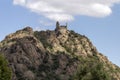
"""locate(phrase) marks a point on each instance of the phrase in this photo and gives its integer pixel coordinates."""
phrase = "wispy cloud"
(37, 29)
(46, 23)
(65, 10)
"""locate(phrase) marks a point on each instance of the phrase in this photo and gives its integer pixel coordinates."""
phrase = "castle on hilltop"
(60, 27)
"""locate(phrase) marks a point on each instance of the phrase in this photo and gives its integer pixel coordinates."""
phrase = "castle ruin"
(60, 28)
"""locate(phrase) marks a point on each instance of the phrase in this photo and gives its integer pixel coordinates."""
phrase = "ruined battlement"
(60, 27)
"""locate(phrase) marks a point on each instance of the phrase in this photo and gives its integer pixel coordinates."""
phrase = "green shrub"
(91, 69)
(5, 71)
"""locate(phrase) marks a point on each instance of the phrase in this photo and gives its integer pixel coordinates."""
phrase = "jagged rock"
(28, 29)
(55, 55)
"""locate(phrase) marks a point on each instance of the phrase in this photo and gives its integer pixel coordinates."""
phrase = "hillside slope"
(58, 54)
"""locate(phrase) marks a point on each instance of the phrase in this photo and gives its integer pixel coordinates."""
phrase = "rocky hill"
(58, 54)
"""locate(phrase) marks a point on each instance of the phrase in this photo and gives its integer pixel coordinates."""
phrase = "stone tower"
(57, 24)
(62, 29)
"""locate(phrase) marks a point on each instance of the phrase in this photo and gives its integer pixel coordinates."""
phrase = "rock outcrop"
(60, 54)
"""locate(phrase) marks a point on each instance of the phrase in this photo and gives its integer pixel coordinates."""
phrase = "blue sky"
(103, 29)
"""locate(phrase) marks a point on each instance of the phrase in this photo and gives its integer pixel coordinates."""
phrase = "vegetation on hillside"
(5, 71)
(53, 55)
(91, 69)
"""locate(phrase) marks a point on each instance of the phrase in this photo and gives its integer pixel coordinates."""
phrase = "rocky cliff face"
(55, 55)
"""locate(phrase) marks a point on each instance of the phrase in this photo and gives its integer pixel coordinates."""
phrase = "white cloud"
(60, 17)
(46, 23)
(19, 2)
(65, 10)
(37, 29)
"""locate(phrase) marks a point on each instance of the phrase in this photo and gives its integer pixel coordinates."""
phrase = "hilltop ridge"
(58, 54)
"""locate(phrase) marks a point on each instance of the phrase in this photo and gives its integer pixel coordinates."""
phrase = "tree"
(5, 70)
